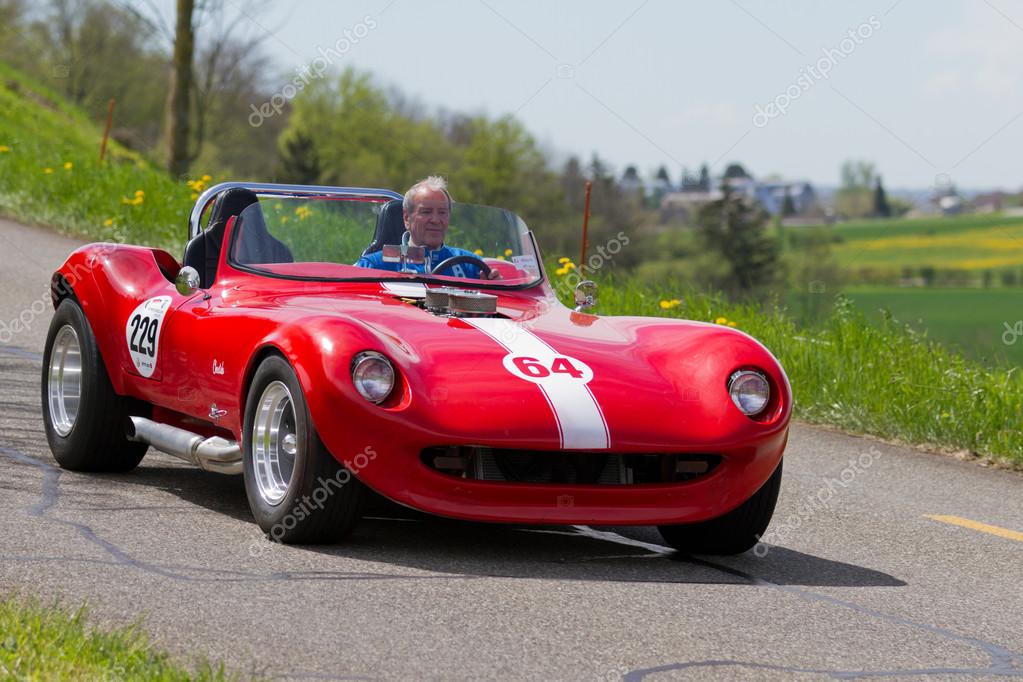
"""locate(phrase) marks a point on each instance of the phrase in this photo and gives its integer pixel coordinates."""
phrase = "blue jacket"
(468, 270)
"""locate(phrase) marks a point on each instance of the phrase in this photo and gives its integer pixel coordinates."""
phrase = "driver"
(426, 210)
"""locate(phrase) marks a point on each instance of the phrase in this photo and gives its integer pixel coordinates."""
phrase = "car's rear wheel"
(733, 533)
(297, 491)
(84, 418)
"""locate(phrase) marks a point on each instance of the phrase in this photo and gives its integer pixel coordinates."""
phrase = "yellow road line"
(977, 525)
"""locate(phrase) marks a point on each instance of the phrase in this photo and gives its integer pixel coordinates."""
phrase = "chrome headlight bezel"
(373, 376)
(750, 392)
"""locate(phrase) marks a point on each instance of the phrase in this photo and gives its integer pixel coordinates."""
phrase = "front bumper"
(398, 473)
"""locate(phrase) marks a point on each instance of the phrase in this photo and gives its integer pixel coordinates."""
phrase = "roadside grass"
(884, 379)
(44, 643)
(50, 174)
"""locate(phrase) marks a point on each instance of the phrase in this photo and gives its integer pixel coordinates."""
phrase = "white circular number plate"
(143, 333)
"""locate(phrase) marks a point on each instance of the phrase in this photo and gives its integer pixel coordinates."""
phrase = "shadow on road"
(393, 535)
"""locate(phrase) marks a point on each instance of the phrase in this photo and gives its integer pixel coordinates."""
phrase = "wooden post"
(586, 228)
(106, 131)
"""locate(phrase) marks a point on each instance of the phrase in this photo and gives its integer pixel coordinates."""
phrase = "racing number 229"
(534, 368)
(143, 335)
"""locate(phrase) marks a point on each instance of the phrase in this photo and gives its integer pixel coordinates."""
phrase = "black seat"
(203, 250)
(390, 227)
(254, 244)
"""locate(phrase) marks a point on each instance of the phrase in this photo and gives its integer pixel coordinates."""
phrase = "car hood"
(543, 376)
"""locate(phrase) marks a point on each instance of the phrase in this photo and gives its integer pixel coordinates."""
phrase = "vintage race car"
(441, 386)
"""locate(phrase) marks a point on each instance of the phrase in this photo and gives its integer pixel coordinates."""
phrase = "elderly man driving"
(426, 210)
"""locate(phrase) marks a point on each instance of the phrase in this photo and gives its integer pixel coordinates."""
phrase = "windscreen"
(358, 238)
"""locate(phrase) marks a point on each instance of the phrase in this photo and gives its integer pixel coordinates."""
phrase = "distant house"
(992, 202)
(683, 204)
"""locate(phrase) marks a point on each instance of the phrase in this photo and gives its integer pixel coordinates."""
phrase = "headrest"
(390, 226)
(230, 203)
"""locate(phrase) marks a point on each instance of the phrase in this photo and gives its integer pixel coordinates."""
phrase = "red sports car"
(306, 342)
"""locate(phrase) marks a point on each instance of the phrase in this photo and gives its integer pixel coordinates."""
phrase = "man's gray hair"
(433, 183)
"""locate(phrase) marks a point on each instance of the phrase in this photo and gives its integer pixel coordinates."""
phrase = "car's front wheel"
(84, 418)
(297, 491)
(733, 533)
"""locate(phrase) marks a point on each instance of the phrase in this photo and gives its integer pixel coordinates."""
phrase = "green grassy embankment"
(50, 174)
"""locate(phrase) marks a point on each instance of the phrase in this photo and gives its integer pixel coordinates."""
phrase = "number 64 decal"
(551, 369)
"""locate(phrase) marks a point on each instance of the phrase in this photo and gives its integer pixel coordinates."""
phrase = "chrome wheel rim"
(65, 380)
(274, 442)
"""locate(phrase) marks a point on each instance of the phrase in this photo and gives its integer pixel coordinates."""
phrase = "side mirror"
(187, 281)
(585, 295)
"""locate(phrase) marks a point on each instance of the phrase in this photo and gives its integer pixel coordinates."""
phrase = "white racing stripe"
(580, 420)
(406, 289)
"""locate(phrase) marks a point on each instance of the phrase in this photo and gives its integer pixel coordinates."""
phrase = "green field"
(973, 321)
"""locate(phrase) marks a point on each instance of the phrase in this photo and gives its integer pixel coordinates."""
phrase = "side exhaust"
(211, 454)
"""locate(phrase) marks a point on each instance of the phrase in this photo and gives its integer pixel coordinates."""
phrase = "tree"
(735, 229)
(788, 207)
(881, 207)
(854, 198)
(299, 163)
(704, 178)
(180, 92)
(663, 177)
(735, 171)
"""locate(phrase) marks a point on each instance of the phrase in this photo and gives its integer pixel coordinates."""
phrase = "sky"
(928, 90)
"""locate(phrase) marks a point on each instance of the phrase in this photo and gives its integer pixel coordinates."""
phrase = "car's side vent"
(566, 468)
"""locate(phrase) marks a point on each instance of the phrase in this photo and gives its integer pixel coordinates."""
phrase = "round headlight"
(373, 376)
(750, 392)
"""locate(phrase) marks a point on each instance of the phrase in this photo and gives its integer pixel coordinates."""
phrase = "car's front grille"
(561, 467)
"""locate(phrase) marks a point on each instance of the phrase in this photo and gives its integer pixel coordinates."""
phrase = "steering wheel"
(464, 258)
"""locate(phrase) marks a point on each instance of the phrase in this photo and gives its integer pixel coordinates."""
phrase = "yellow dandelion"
(507, 252)
(108, 222)
(500, 257)
(4, 149)
(478, 252)
(669, 304)
(561, 272)
(47, 170)
(139, 193)
(284, 219)
(206, 178)
(731, 324)
(564, 260)
(68, 165)
(303, 212)
(721, 320)
(570, 266)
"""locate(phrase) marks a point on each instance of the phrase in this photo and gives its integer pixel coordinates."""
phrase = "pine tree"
(881, 207)
(735, 229)
(299, 162)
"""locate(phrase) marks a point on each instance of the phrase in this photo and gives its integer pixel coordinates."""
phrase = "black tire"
(96, 441)
(322, 499)
(733, 533)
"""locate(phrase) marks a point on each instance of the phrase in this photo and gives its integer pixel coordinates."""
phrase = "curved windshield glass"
(358, 238)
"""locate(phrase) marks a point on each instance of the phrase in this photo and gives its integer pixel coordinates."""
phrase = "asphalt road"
(855, 581)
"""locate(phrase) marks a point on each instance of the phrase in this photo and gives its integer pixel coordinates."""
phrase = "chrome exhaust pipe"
(210, 454)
